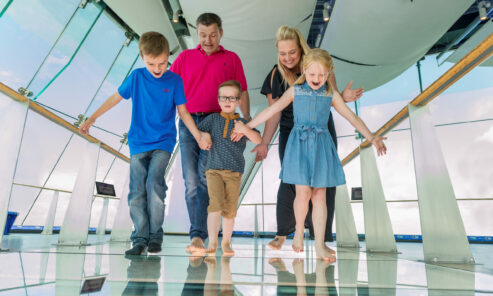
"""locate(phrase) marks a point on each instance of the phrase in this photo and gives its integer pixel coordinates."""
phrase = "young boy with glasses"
(225, 164)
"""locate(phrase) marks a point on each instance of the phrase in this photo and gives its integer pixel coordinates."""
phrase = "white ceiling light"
(483, 9)
(325, 12)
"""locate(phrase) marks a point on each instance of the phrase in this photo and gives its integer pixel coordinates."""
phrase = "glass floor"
(35, 265)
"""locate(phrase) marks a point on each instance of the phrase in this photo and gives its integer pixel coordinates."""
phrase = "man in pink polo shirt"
(203, 69)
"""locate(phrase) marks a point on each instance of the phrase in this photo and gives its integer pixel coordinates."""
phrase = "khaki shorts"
(224, 189)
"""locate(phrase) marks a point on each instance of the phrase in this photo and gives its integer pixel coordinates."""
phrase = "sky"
(28, 32)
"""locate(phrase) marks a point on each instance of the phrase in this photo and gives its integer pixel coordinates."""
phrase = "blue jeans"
(146, 196)
(193, 165)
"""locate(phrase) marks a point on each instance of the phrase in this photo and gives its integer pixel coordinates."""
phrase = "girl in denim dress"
(311, 161)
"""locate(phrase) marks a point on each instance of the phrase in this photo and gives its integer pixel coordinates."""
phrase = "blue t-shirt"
(154, 102)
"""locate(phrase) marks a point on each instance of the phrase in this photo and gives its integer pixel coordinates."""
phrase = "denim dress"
(311, 157)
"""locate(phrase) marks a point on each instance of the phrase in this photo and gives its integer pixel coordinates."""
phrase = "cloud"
(9, 78)
(487, 136)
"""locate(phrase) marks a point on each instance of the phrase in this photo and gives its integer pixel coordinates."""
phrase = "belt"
(309, 130)
(202, 113)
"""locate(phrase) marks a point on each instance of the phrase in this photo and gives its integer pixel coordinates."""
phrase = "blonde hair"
(153, 44)
(232, 83)
(288, 33)
(322, 57)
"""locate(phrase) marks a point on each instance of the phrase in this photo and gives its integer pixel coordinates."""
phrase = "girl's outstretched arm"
(347, 113)
(278, 106)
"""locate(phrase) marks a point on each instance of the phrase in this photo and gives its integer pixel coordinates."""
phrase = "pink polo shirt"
(202, 75)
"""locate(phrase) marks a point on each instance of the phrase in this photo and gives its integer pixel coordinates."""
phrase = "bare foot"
(227, 250)
(211, 261)
(196, 245)
(278, 264)
(332, 252)
(298, 242)
(195, 261)
(277, 242)
(212, 247)
(324, 254)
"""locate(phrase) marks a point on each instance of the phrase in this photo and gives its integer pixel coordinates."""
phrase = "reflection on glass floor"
(34, 265)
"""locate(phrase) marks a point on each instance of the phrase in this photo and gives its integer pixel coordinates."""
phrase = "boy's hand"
(380, 145)
(84, 127)
(205, 141)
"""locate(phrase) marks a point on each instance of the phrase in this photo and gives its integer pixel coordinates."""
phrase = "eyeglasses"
(227, 98)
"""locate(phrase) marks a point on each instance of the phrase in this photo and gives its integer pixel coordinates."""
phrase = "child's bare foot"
(211, 261)
(227, 250)
(277, 242)
(298, 242)
(196, 245)
(212, 247)
(332, 252)
(299, 266)
(278, 264)
(324, 254)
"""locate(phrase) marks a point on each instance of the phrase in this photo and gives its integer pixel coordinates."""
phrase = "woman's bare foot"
(324, 254)
(277, 242)
(227, 250)
(298, 242)
(278, 264)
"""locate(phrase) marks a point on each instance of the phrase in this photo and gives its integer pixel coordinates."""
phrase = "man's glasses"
(227, 98)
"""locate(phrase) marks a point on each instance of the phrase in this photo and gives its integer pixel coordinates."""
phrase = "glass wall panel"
(28, 30)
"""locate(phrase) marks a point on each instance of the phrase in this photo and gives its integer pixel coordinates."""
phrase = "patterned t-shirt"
(224, 153)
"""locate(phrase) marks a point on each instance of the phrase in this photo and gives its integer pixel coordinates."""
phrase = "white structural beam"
(444, 235)
(75, 225)
(379, 235)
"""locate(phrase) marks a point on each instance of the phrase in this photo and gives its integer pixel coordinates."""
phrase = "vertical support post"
(347, 268)
(50, 216)
(12, 115)
(255, 226)
(75, 225)
(346, 235)
(382, 275)
(444, 278)
(379, 236)
(69, 269)
(444, 235)
(122, 225)
(102, 219)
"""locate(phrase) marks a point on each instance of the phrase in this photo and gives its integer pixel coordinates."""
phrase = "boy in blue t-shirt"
(156, 94)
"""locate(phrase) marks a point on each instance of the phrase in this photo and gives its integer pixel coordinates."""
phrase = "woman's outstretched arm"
(278, 106)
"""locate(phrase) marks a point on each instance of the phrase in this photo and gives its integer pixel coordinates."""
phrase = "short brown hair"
(208, 19)
(153, 44)
(232, 83)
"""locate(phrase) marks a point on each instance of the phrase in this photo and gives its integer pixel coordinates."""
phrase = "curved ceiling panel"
(389, 34)
(145, 15)
(254, 19)
(250, 29)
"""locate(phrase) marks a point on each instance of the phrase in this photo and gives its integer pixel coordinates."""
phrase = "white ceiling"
(389, 34)
(250, 28)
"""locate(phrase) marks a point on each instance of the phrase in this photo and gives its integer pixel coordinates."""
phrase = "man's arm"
(107, 105)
